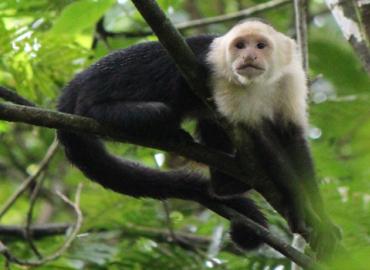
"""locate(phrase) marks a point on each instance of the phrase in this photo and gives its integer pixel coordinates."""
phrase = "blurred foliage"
(43, 43)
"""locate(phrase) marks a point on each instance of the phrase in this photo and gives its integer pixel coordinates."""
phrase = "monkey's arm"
(213, 135)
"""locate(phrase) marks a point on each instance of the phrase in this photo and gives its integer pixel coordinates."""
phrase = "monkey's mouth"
(249, 66)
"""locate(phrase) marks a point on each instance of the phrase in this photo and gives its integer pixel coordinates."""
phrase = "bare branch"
(23, 187)
(35, 192)
(76, 207)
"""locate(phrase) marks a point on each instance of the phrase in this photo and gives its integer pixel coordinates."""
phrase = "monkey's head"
(251, 51)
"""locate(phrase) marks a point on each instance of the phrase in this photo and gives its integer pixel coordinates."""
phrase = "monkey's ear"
(217, 57)
(288, 49)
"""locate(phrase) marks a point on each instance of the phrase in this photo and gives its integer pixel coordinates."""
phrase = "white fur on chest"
(240, 104)
(250, 104)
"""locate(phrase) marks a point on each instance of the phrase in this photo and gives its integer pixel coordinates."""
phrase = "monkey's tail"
(90, 156)
(88, 153)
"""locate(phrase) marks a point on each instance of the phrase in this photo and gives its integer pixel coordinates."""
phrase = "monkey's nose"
(250, 58)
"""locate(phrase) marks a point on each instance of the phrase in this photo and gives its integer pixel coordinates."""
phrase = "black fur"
(140, 91)
(283, 151)
(212, 135)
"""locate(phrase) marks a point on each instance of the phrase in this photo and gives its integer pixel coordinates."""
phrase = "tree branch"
(344, 12)
(363, 11)
(301, 18)
(127, 231)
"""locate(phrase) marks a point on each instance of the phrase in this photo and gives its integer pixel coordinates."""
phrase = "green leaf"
(4, 127)
(80, 15)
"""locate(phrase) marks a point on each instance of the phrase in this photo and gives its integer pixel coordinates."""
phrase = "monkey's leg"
(325, 234)
(145, 119)
(269, 153)
(295, 147)
(215, 137)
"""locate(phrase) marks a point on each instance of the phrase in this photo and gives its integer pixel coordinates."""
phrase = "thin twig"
(100, 34)
(37, 231)
(301, 17)
(59, 252)
(181, 241)
(27, 230)
(168, 220)
(35, 192)
(23, 187)
(235, 16)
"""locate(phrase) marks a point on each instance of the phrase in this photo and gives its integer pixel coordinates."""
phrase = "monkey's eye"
(240, 45)
(261, 45)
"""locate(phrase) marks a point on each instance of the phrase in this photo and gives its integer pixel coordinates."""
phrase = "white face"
(249, 55)
(251, 52)
(256, 75)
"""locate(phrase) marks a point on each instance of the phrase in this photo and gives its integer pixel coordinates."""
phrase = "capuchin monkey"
(255, 78)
